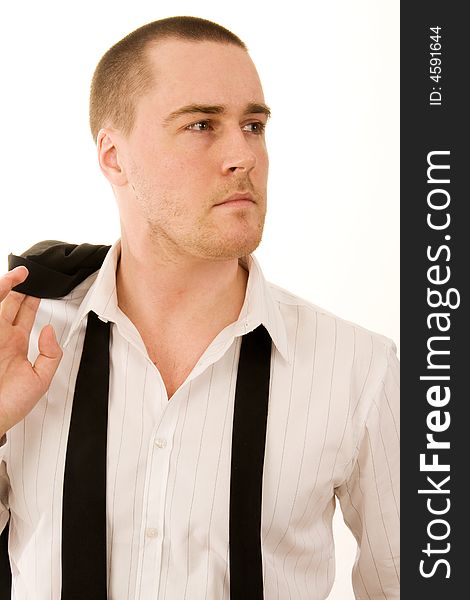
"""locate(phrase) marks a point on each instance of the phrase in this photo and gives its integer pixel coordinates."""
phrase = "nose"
(238, 154)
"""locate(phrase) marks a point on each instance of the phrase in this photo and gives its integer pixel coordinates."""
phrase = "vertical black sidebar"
(435, 263)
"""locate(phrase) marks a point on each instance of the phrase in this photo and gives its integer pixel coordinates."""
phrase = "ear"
(108, 157)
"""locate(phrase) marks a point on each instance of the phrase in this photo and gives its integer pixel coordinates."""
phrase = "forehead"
(202, 72)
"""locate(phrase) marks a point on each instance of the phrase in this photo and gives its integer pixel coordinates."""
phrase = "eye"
(199, 126)
(257, 127)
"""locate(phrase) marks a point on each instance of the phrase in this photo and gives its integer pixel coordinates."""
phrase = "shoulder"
(353, 355)
(291, 304)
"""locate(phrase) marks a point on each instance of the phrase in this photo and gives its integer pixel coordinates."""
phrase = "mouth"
(239, 199)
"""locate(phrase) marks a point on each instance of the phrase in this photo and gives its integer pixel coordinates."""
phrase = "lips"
(240, 198)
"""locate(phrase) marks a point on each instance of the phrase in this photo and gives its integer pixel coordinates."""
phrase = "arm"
(21, 383)
(370, 496)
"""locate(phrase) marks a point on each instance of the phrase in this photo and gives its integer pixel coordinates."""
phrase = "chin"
(235, 247)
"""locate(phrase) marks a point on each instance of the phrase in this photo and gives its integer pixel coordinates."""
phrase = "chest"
(168, 473)
(175, 358)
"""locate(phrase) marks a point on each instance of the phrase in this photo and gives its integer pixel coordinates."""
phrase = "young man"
(201, 499)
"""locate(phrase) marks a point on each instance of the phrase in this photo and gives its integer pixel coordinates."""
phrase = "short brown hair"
(124, 74)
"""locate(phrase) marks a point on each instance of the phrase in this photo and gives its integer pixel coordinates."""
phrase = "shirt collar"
(101, 297)
(258, 308)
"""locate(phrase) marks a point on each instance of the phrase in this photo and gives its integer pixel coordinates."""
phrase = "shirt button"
(159, 443)
(151, 533)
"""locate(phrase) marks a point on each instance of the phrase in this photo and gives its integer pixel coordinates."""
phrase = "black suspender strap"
(5, 571)
(84, 569)
(248, 446)
(84, 572)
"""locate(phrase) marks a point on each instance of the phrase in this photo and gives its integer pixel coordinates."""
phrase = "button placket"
(159, 449)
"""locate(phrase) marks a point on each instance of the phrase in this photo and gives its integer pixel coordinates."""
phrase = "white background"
(330, 75)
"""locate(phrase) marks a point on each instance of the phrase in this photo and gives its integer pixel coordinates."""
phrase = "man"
(178, 115)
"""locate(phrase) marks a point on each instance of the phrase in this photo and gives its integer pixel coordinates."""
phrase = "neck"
(187, 294)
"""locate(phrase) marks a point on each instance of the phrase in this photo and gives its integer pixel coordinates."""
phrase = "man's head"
(125, 73)
(178, 114)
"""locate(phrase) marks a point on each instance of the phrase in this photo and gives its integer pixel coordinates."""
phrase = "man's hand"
(21, 383)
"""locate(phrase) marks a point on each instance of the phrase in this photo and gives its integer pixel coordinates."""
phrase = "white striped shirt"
(332, 431)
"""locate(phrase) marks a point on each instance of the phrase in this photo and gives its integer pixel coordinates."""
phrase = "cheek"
(170, 171)
(264, 160)
(187, 155)
(262, 165)
(260, 150)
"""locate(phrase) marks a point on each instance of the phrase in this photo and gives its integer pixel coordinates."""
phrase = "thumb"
(50, 354)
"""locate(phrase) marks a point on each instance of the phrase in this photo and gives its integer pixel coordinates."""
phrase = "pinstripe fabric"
(332, 434)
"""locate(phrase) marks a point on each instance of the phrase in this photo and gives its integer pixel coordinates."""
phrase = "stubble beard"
(211, 236)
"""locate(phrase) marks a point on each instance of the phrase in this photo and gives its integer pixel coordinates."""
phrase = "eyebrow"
(215, 109)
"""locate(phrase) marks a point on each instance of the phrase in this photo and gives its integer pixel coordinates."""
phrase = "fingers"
(27, 312)
(50, 354)
(12, 279)
(16, 308)
(10, 302)
(11, 305)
